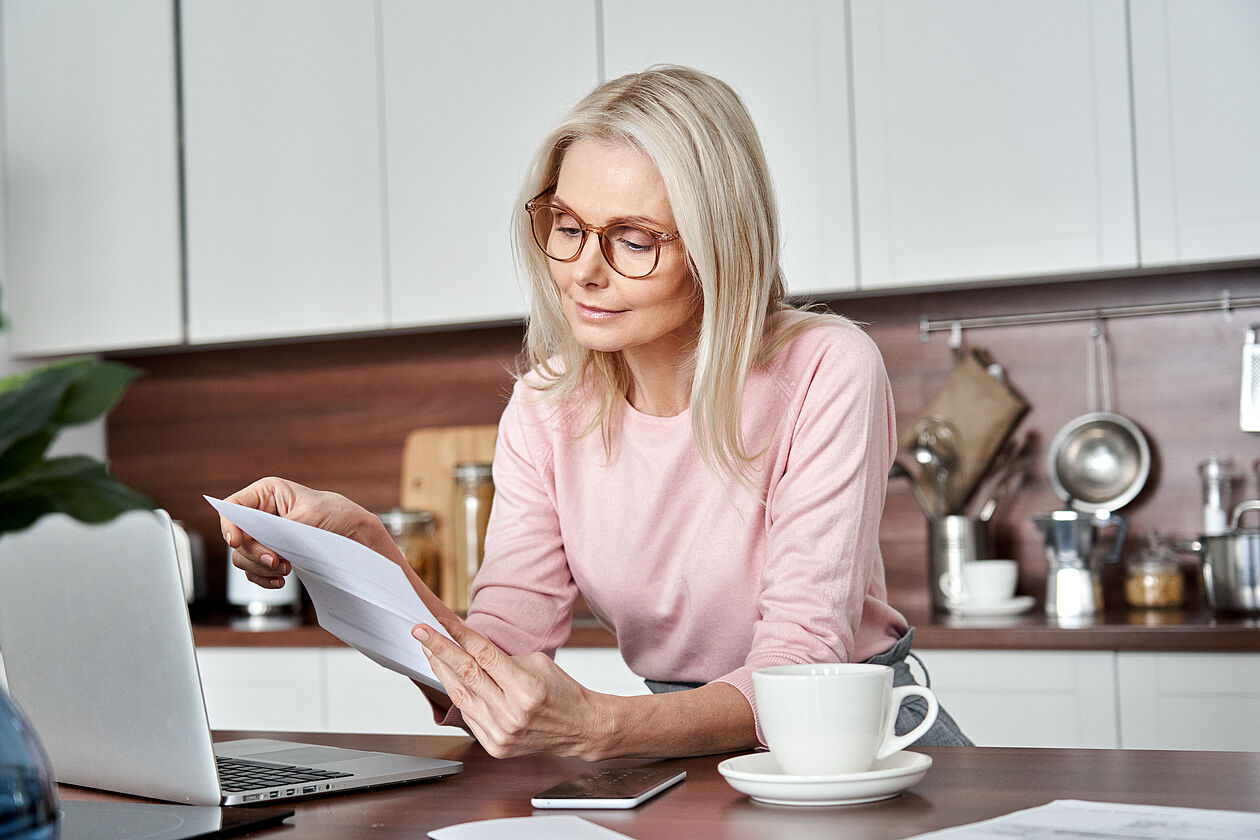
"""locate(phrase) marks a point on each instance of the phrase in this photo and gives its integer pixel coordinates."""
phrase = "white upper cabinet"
(788, 62)
(284, 196)
(1196, 91)
(470, 91)
(992, 139)
(90, 176)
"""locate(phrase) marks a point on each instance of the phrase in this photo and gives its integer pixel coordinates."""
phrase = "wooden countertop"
(1120, 630)
(964, 785)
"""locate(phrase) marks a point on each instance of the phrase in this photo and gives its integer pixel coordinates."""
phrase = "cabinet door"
(1196, 101)
(91, 175)
(1044, 698)
(470, 90)
(788, 62)
(279, 689)
(993, 139)
(365, 697)
(1189, 701)
(283, 168)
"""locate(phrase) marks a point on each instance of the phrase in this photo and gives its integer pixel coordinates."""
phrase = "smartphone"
(619, 788)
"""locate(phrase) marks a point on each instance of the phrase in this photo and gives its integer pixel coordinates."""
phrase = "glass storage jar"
(474, 493)
(415, 532)
(1154, 578)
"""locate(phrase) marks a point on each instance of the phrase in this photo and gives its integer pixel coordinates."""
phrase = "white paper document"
(1072, 819)
(553, 827)
(360, 597)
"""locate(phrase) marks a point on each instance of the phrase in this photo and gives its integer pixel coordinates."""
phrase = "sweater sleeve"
(823, 574)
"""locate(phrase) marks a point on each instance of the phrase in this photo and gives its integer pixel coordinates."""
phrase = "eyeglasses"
(632, 250)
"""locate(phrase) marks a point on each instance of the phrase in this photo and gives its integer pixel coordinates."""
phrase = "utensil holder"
(953, 541)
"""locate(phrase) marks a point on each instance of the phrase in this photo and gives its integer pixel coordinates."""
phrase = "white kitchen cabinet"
(1189, 701)
(1196, 103)
(470, 91)
(283, 175)
(1026, 698)
(993, 139)
(91, 176)
(789, 64)
(280, 689)
(337, 689)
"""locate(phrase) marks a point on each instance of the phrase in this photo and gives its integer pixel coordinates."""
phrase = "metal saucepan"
(1231, 565)
(1100, 460)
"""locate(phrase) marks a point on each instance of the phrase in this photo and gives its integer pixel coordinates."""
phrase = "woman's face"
(650, 318)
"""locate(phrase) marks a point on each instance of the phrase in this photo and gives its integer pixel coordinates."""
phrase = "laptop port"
(273, 794)
(310, 788)
(289, 792)
(253, 797)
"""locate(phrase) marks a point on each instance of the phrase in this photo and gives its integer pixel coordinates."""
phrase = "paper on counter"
(360, 597)
(1066, 819)
(552, 827)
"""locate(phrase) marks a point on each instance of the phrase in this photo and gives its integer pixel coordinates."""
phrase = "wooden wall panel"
(334, 414)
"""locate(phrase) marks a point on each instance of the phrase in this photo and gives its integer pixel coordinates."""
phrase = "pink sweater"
(700, 580)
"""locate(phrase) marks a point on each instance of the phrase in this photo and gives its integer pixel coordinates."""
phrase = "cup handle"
(952, 586)
(895, 743)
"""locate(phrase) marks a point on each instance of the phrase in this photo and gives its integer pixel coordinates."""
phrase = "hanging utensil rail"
(955, 326)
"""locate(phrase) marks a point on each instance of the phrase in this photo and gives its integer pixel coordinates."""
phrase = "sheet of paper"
(1071, 819)
(360, 597)
(551, 827)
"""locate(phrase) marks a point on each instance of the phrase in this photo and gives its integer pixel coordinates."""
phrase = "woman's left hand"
(514, 705)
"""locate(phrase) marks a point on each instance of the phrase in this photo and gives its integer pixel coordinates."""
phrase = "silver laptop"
(98, 651)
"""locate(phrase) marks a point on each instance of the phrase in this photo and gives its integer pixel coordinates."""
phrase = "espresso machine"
(1074, 563)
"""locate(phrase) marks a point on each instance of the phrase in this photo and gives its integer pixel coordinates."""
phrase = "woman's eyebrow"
(654, 224)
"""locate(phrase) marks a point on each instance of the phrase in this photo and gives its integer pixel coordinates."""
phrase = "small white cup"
(982, 582)
(831, 718)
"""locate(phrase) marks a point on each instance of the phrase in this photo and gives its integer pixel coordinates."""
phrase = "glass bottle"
(474, 493)
(415, 533)
(1217, 477)
(28, 798)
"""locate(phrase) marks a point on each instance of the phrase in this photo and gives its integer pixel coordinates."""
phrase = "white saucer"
(758, 775)
(1015, 606)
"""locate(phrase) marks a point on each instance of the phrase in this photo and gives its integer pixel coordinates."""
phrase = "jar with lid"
(474, 494)
(1154, 578)
(415, 533)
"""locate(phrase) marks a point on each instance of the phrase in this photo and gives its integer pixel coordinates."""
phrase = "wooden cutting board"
(428, 480)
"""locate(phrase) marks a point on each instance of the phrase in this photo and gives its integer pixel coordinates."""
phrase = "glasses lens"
(556, 232)
(630, 249)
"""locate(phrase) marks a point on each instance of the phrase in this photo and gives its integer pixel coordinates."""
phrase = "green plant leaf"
(95, 391)
(31, 406)
(15, 515)
(25, 452)
(76, 485)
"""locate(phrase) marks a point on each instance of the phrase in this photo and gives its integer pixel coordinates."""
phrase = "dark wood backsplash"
(334, 413)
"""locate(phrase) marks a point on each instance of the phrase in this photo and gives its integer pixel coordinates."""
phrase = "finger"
(256, 558)
(464, 668)
(488, 655)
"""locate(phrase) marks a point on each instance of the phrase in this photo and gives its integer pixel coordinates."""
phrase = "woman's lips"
(595, 313)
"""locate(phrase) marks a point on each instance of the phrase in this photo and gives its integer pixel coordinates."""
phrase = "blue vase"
(28, 798)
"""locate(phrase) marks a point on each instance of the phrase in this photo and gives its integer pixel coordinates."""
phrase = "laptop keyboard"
(236, 775)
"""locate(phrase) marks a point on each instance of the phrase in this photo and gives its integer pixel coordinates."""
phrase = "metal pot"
(1231, 565)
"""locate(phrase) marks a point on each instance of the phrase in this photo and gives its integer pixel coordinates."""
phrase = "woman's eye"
(632, 239)
(566, 225)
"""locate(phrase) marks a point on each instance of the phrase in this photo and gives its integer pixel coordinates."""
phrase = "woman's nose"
(590, 268)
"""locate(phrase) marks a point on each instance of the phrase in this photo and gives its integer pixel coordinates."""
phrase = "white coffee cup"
(827, 719)
(981, 582)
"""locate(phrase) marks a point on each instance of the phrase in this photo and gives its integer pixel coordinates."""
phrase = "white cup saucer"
(1010, 606)
(758, 775)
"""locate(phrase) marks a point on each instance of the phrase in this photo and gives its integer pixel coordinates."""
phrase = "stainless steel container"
(952, 541)
(1231, 565)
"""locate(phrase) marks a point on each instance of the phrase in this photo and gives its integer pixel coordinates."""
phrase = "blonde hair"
(698, 133)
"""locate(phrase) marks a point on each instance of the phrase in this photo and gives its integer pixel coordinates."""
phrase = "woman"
(705, 464)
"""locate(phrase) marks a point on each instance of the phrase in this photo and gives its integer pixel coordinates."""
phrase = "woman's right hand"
(318, 508)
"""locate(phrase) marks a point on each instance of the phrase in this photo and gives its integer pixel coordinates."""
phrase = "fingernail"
(421, 635)
(285, 567)
(227, 538)
(267, 559)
